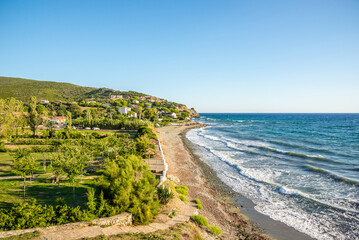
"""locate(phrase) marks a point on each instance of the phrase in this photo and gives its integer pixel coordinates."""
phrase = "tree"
(34, 118)
(11, 117)
(74, 160)
(130, 186)
(68, 119)
(24, 164)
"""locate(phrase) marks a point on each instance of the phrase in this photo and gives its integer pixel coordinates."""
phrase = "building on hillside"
(136, 101)
(133, 114)
(142, 97)
(116, 97)
(107, 104)
(44, 101)
(58, 120)
(172, 115)
(124, 109)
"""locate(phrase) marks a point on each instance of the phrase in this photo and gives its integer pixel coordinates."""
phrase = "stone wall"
(123, 219)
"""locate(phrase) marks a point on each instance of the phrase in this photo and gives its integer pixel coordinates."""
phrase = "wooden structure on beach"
(158, 164)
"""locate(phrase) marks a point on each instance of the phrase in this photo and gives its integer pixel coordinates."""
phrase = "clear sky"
(216, 56)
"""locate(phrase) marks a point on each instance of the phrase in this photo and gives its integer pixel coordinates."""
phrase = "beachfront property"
(116, 97)
(124, 109)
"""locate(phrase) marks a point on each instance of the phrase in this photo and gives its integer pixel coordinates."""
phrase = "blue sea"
(300, 169)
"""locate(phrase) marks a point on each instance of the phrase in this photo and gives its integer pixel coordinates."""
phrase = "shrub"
(164, 194)
(214, 230)
(183, 198)
(198, 202)
(200, 220)
(2, 147)
(173, 213)
(182, 190)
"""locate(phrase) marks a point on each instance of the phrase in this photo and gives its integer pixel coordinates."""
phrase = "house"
(136, 101)
(44, 101)
(92, 102)
(58, 120)
(107, 104)
(124, 109)
(172, 115)
(133, 115)
(116, 97)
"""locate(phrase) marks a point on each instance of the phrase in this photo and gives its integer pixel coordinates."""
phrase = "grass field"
(6, 163)
(42, 189)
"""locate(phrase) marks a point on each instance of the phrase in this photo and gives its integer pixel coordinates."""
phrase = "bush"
(182, 190)
(129, 185)
(214, 230)
(200, 220)
(2, 147)
(173, 213)
(198, 202)
(183, 198)
(164, 194)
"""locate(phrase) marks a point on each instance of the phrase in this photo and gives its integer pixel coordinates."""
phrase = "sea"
(300, 169)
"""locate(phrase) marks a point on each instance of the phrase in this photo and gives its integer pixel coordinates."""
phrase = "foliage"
(183, 198)
(34, 117)
(173, 213)
(128, 184)
(12, 117)
(182, 190)
(31, 215)
(23, 89)
(214, 230)
(164, 194)
(198, 202)
(200, 220)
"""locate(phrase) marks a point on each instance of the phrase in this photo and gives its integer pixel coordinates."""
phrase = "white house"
(44, 101)
(133, 115)
(136, 101)
(172, 115)
(124, 109)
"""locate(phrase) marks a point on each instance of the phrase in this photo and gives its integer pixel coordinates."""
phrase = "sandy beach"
(221, 205)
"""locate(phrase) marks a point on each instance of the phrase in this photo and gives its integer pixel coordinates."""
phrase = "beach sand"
(221, 205)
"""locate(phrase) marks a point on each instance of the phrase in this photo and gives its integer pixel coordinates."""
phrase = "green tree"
(34, 117)
(130, 186)
(74, 160)
(24, 164)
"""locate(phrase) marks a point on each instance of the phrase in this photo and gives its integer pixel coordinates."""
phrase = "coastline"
(222, 206)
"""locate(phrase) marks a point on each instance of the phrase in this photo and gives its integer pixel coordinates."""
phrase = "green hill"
(23, 89)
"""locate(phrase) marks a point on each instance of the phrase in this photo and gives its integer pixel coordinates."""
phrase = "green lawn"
(6, 163)
(45, 192)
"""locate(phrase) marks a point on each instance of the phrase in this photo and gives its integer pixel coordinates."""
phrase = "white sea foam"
(281, 204)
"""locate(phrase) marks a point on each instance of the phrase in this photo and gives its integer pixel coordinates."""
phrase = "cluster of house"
(148, 98)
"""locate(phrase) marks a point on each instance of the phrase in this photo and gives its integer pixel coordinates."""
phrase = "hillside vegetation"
(23, 89)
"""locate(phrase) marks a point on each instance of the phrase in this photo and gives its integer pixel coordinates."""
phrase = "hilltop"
(23, 89)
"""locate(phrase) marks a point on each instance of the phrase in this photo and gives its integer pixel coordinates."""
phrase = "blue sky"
(216, 56)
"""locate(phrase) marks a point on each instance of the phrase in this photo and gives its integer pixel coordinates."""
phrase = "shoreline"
(233, 208)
